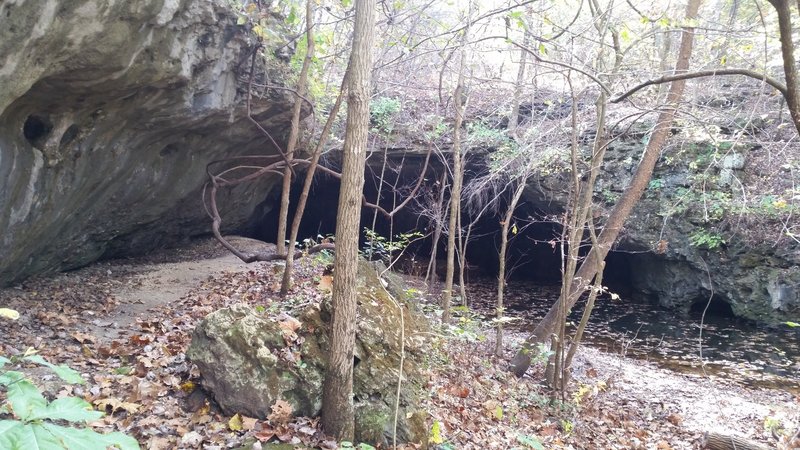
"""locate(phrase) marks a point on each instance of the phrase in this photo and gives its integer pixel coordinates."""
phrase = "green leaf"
(24, 398)
(8, 428)
(530, 442)
(65, 373)
(793, 324)
(88, 439)
(71, 409)
(7, 378)
(16, 435)
(625, 35)
(4, 361)
(542, 49)
(241, 20)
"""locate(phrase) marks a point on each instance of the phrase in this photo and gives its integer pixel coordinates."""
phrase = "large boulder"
(248, 360)
(109, 113)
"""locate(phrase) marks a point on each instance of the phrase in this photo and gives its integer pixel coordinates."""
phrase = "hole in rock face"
(69, 135)
(717, 307)
(169, 149)
(36, 129)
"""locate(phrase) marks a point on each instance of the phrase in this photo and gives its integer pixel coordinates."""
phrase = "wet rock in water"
(249, 360)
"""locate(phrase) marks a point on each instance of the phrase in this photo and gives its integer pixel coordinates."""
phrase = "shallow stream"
(749, 354)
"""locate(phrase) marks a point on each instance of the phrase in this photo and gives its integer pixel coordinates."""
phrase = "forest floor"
(125, 326)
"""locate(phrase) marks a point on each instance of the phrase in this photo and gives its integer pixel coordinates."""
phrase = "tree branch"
(705, 73)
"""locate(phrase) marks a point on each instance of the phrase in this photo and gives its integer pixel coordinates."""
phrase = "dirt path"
(110, 297)
(161, 284)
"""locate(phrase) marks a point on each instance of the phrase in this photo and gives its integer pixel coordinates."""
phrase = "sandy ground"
(700, 404)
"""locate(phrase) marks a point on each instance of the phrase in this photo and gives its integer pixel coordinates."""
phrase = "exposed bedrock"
(109, 113)
(687, 240)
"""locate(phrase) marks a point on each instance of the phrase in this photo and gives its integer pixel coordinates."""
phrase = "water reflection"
(731, 348)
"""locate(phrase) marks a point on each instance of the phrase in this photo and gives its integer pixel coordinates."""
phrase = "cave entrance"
(319, 217)
(715, 307)
(534, 254)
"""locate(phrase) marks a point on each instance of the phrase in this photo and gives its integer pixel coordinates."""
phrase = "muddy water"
(731, 348)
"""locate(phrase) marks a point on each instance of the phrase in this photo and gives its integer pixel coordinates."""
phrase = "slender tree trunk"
(513, 121)
(458, 173)
(462, 257)
(337, 392)
(441, 213)
(286, 283)
(789, 62)
(294, 131)
(501, 274)
(622, 210)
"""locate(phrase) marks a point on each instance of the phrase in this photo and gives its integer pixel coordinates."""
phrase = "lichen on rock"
(249, 361)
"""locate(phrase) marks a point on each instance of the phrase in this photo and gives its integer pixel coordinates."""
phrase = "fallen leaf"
(265, 433)
(192, 439)
(235, 423)
(116, 404)
(83, 338)
(248, 423)
(281, 412)
(10, 314)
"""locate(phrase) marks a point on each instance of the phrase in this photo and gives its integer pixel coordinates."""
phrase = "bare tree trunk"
(462, 257)
(622, 210)
(513, 121)
(294, 131)
(792, 94)
(501, 274)
(458, 173)
(337, 391)
(437, 232)
(286, 283)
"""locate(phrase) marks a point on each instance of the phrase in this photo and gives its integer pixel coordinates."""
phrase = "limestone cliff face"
(717, 220)
(109, 112)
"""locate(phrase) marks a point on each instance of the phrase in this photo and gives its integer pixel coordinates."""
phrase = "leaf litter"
(133, 359)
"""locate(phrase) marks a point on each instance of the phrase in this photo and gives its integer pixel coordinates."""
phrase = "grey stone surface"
(759, 280)
(109, 113)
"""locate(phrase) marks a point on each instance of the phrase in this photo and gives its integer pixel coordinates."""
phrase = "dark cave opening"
(714, 307)
(534, 253)
(36, 129)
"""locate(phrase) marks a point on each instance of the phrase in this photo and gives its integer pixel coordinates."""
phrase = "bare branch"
(705, 73)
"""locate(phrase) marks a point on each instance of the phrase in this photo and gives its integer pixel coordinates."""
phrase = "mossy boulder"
(249, 360)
